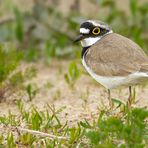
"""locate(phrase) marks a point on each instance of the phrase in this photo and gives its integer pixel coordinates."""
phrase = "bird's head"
(91, 31)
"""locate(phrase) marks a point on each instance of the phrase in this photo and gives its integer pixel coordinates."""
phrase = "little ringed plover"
(111, 59)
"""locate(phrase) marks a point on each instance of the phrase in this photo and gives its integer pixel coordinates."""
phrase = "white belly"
(117, 81)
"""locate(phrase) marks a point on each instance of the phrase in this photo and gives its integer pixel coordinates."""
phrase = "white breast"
(117, 81)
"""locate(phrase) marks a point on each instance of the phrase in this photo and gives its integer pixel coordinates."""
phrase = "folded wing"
(115, 55)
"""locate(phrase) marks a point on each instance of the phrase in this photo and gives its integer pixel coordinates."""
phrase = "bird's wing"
(115, 55)
(144, 68)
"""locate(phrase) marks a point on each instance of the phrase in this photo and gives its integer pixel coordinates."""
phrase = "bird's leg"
(110, 99)
(129, 102)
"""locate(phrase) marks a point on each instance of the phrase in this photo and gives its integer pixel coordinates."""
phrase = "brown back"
(115, 55)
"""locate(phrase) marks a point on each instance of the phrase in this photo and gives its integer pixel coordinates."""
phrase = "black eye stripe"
(90, 26)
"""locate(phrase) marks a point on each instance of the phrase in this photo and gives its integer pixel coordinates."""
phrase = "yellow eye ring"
(96, 31)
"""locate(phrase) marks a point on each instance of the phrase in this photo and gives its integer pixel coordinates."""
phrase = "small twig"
(6, 19)
(41, 134)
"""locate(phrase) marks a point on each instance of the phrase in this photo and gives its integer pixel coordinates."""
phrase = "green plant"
(1, 139)
(18, 24)
(130, 130)
(27, 139)
(18, 78)
(10, 140)
(31, 91)
(73, 74)
(10, 59)
(11, 78)
(57, 95)
(45, 128)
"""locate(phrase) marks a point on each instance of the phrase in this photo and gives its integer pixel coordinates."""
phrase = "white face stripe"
(84, 30)
(92, 40)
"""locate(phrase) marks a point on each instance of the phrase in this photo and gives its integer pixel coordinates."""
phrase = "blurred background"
(46, 28)
(42, 30)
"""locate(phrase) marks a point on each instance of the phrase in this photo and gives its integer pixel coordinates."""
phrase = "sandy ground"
(82, 102)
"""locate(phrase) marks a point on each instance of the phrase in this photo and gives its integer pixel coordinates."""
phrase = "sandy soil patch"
(80, 103)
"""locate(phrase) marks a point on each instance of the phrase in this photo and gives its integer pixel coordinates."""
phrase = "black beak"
(79, 38)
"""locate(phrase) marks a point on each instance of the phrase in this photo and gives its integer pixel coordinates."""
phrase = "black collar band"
(84, 50)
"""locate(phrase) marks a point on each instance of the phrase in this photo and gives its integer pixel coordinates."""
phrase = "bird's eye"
(96, 31)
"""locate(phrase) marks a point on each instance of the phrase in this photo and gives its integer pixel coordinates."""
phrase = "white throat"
(91, 40)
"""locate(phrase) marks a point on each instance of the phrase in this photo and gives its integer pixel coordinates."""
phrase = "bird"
(111, 59)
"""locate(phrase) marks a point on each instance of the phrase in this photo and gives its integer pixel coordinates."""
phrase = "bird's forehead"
(89, 24)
